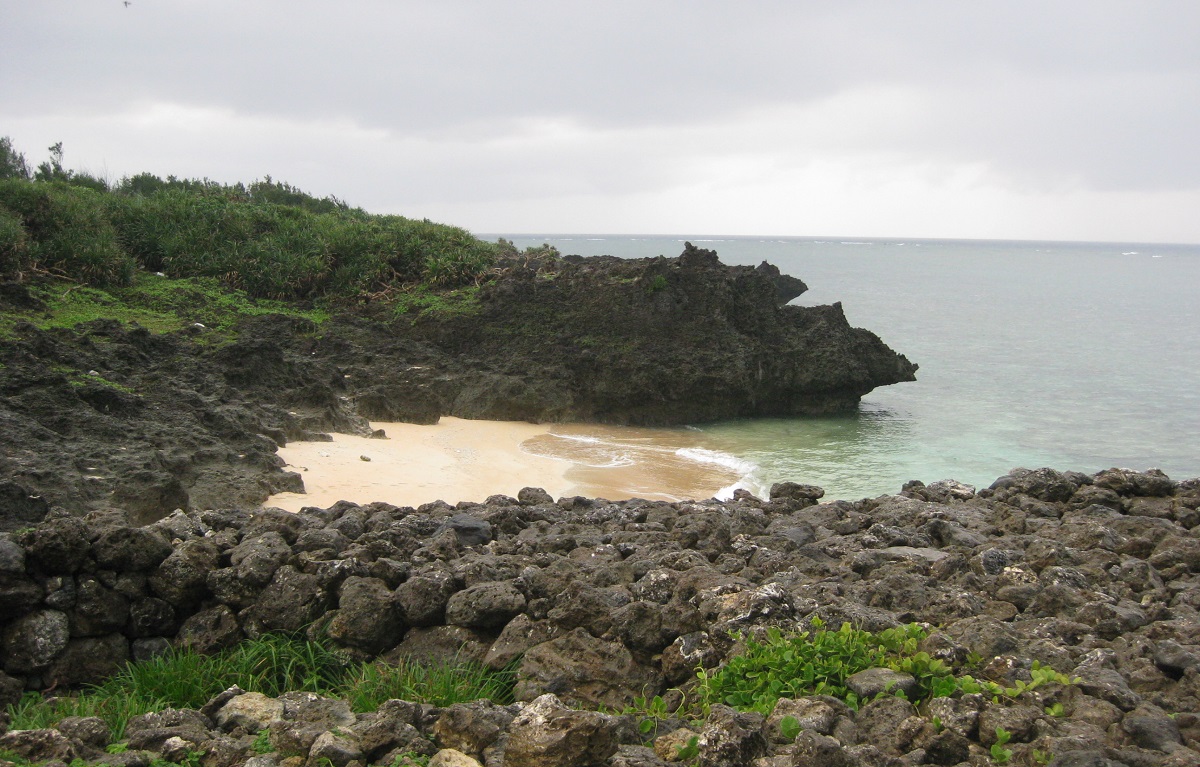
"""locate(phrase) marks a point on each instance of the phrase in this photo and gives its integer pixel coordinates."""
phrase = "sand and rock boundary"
(598, 603)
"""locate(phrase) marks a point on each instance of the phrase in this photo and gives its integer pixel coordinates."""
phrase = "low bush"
(14, 244)
(269, 238)
(69, 231)
(818, 662)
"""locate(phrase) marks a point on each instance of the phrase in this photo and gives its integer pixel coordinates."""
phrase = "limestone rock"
(548, 734)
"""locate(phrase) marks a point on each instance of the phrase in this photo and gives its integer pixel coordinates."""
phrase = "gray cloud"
(459, 103)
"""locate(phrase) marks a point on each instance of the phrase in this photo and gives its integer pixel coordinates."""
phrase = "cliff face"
(104, 416)
(659, 341)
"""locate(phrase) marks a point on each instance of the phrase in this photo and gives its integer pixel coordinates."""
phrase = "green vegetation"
(1000, 754)
(423, 302)
(272, 664)
(268, 239)
(158, 304)
(819, 661)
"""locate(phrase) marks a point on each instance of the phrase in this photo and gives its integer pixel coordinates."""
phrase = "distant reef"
(109, 413)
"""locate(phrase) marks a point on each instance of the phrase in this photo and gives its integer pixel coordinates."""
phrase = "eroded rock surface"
(106, 416)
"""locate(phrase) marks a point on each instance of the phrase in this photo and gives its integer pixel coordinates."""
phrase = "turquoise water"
(1073, 355)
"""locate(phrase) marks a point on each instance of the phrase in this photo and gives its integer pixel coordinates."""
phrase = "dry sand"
(461, 460)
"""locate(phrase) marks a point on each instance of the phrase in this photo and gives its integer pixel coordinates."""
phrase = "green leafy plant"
(656, 284)
(1042, 757)
(818, 662)
(262, 742)
(1056, 710)
(1000, 754)
(789, 727)
(689, 751)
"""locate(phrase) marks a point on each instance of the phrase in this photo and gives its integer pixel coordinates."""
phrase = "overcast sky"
(892, 118)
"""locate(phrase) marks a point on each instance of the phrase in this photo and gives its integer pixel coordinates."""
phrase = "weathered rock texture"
(106, 417)
(1097, 576)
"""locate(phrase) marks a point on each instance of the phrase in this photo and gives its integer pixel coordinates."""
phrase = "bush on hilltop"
(270, 239)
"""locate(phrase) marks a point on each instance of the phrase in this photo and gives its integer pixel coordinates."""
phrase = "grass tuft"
(272, 664)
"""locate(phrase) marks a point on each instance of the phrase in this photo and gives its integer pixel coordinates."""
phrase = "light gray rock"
(548, 734)
(33, 641)
(251, 711)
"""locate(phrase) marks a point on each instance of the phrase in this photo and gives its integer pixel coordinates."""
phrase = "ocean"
(1072, 355)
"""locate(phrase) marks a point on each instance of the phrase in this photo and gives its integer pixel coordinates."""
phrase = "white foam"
(701, 455)
(578, 438)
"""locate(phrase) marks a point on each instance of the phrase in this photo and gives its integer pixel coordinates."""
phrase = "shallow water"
(1073, 355)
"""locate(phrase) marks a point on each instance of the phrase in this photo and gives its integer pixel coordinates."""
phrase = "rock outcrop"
(102, 416)
(1096, 576)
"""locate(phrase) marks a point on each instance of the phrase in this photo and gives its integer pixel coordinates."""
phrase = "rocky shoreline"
(598, 603)
(104, 415)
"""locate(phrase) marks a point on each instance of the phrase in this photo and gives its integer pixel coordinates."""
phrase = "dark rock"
(90, 660)
(33, 641)
(210, 631)
(423, 598)
(471, 727)
(806, 494)
(880, 723)
(291, 601)
(521, 633)
(817, 750)
(98, 609)
(131, 548)
(89, 730)
(1150, 727)
(469, 530)
(392, 727)
(181, 578)
(12, 557)
(58, 545)
(434, 645)
(485, 606)
(533, 495)
(41, 746)
(731, 738)
(367, 616)
(151, 731)
(256, 560)
(19, 594)
(585, 670)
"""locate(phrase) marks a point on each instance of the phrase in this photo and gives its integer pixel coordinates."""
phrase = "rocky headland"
(598, 603)
(108, 415)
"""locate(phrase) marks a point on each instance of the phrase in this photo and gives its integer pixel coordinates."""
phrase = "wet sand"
(462, 460)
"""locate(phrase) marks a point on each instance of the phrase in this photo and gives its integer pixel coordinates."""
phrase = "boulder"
(485, 606)
(130, 548)
(367, 616)
(585, 670)
(33, 641)
(548, 734)
(472, 727)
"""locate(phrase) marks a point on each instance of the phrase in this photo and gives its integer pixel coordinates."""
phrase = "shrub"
(819, 662)
(12, 162)
(14, 243)
(69, 231)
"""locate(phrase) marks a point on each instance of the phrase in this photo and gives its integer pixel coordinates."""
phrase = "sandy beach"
(463, 460)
